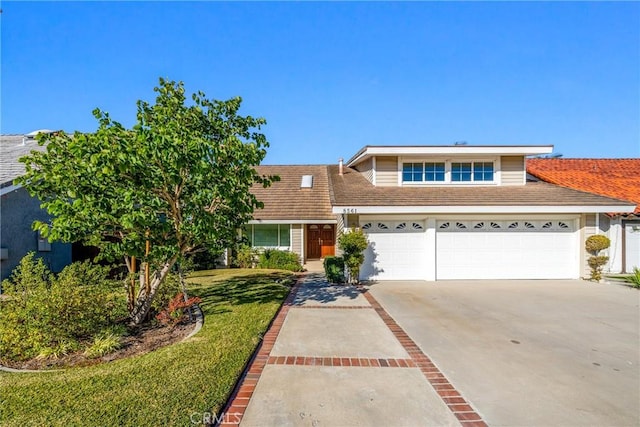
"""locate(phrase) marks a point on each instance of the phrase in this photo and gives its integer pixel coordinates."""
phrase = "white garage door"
(632, 243)
(396, 250)
(514, 249)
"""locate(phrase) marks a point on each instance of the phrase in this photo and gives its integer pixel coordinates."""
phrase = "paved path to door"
(334, 357)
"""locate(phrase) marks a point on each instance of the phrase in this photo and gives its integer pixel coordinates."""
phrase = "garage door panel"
(395, 253)
(632, 243)
(507, 254)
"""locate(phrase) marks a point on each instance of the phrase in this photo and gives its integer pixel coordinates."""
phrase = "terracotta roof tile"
(618, 178)
(353, 189)
(285, 200)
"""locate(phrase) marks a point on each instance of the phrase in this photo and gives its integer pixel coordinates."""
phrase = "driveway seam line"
(466, 415)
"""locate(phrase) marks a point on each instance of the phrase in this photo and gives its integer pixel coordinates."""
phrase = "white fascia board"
(293, 221)
(9, 189)
(478, 209)
(451, 150)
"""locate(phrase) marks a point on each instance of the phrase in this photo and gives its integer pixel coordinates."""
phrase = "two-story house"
(434, 213)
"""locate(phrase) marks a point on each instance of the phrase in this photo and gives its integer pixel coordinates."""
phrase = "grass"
(164, 387)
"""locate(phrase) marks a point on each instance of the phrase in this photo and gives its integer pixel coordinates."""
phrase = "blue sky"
(332, 77)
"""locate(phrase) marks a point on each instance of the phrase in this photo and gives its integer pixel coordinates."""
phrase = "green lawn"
(165, 387)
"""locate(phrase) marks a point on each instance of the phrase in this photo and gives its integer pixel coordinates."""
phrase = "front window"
(434, 172)
(413, 172)
(460, 172)
(483, 171)
(437, 172)
(269, 235)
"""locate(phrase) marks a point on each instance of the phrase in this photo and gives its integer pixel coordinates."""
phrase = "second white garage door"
(506, 250)
(397, 250)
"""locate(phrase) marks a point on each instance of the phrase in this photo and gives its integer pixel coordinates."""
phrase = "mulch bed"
(141, 341)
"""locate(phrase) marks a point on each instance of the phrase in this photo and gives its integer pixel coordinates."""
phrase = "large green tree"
(176, 183)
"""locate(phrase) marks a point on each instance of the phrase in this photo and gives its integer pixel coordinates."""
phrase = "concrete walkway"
(334, 357)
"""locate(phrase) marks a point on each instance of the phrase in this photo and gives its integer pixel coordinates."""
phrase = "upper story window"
(442, 172)
(434, 172)
(472, 172)
(423, 172)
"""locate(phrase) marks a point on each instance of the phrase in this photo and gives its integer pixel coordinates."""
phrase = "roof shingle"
(285, 200)
(11, 149)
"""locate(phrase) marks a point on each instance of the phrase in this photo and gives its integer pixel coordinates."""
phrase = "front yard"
(178, 385)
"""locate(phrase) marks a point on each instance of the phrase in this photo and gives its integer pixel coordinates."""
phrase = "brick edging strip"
(458, 405)
(236, 405)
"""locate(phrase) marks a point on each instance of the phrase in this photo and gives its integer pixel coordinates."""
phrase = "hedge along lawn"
(170, 386)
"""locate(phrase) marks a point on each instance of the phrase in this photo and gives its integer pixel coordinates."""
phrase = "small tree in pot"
(594, 245)
(353, 244)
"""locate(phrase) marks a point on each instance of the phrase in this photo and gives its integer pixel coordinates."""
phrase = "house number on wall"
(349, 210)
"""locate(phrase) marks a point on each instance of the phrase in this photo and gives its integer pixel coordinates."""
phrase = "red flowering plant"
(176, 310)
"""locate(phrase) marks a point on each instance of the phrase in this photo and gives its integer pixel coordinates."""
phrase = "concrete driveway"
(529, 353)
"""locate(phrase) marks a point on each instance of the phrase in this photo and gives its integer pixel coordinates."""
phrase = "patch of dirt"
(138, 342)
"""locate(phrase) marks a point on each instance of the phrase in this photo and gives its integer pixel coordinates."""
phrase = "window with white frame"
(442, 172)
(268, 235)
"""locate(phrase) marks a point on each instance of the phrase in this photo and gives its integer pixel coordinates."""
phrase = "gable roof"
(12, 147)
(353, 189)
(286, 200)
(618, 178)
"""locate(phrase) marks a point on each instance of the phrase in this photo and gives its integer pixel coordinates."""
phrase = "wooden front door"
(327, 241)
(321, 241)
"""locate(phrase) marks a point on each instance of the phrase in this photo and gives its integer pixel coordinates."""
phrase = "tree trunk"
(144, 300)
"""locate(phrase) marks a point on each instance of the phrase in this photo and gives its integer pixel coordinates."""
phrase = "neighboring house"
(18, 211)
(619, 178)
(436, 213)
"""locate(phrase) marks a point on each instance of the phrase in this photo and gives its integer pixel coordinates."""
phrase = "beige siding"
(339, 229)
(386, 171)
(366, 169)
(296, 240)
(512, 170)
(588, 223)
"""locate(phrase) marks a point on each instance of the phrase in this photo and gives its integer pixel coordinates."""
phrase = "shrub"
(634, 278)
(334, 269)
(246, 257)
(44, 315)
(175, 312)
(353, 244)
(594, 245)
(103, 343)
(280, 260)
(597, 243)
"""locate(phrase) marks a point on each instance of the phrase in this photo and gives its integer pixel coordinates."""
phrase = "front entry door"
(321, 240)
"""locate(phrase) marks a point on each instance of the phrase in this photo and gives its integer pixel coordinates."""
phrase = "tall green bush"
(593, 245)
(334, 269)
(281, 260)
(47, 315)
(245, 257)
(353, 244)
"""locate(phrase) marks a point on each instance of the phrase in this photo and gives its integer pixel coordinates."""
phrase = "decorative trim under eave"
(478, 209)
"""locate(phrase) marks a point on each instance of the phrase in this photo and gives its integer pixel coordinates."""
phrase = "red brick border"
(365, 362)
(237, 403)
(463, 410)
